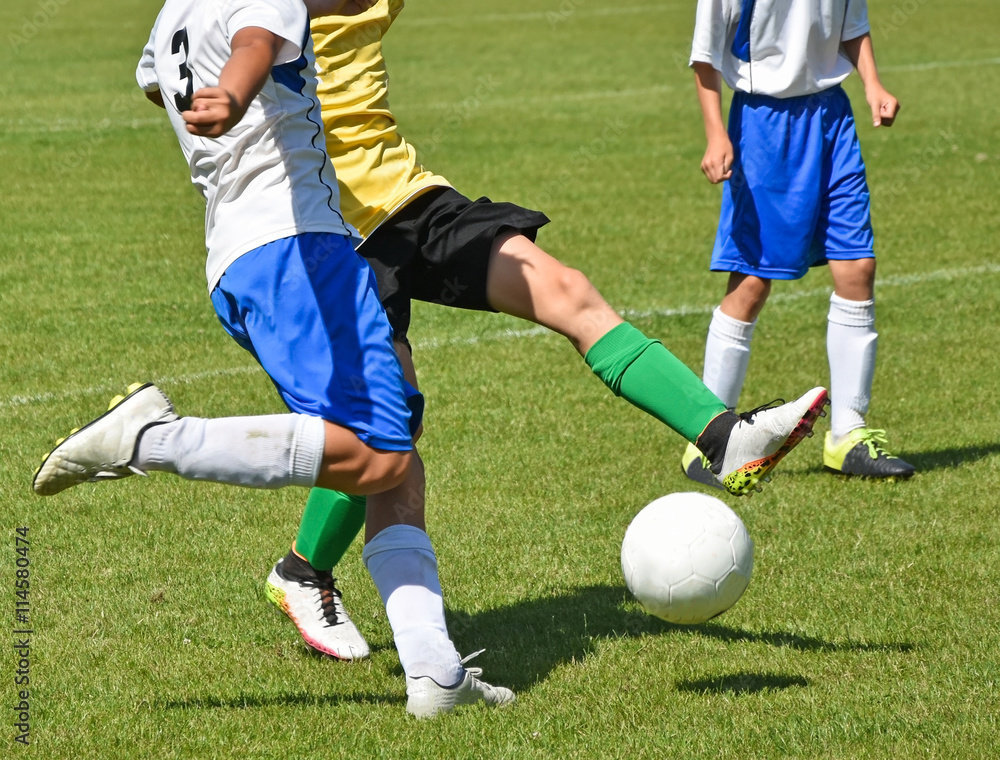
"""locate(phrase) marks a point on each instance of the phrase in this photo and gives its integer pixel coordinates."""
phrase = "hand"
(717, 164)
(214, 111)
(884, 106)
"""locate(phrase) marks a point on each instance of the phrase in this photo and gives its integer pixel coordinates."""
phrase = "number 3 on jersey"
(180, 40)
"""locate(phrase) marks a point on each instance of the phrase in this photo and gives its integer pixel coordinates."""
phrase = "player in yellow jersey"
(425, 240)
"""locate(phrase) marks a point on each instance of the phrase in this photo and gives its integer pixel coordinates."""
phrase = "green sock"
(330, 522)
(646, 374)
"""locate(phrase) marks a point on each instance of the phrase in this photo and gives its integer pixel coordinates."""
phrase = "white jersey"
(269, 177)
(789, 48)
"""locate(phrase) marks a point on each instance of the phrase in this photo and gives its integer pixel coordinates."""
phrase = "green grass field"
(871, 628)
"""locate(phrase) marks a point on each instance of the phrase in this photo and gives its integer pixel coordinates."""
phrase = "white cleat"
(312, 601)
(762, 438)
(104, 449)
(426, 698)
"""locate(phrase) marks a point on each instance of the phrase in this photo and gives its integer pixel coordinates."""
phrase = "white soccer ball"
(687, 558)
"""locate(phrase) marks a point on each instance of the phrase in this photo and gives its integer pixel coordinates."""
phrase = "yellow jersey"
(376, 168)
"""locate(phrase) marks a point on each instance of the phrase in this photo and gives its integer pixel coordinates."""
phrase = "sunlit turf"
(870, 626)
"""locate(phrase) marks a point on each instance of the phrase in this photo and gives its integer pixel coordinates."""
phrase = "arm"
(861, 53)
(216, 110)
(155, 97)
(718, 160)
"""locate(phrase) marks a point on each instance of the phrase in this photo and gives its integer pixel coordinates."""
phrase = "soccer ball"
(687, 558)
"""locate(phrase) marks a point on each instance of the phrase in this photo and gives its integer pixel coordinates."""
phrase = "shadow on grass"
(525, 641)
(945, 459)
(948, 459)
(243, 701)
(742, 683)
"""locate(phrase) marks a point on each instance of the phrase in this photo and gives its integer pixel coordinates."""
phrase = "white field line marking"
(940, 65)
(555, 14)
(119, 387)
(489, 102)
(687, 311)
(12, 402)
(662, 89)
(104, 126)
(24, 127)
(542, 100)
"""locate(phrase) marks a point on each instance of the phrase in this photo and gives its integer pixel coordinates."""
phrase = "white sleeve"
(145, 72)
(286, 18)
(710, 32)
(855, 20)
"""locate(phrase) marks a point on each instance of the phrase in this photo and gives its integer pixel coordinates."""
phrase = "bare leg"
(745, 296)
(402, 505)
(854, 280)
(524, 281)
(354, 467)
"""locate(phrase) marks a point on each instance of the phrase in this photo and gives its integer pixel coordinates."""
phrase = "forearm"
(861, 53)
(718, 160)
(248, 68)
(883, 103)
(216, 110)
(708, 83)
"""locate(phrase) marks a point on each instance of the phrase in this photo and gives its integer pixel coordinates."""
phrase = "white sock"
(401, 562)
(727, 355)
(272, 451)
(851, 343)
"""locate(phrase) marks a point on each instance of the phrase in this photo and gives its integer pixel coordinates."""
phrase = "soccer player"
(238, 82)
(795, 197)
(427, 241)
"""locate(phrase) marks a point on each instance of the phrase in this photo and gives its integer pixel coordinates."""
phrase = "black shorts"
(437, 249)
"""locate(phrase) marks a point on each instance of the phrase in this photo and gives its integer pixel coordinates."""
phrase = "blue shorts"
(307, 308)
(798, 196)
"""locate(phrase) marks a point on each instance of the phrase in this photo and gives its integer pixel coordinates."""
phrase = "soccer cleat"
(763, 437)
(312, 601)
(697, 467)
(104, 448)
(426, 698)
(862, 454)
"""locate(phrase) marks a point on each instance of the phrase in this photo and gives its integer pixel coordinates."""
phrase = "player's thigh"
(309, 309)
(523, 278)
(352, 466)
(844, 230)
(458, 243)
(771, 204)
(392, 251)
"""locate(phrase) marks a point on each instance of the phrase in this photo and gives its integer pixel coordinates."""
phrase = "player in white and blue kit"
(238, 83)
(796, 196)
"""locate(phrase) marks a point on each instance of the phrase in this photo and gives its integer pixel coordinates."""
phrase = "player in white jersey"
(796, 196)
(236, 78)
(262, 181)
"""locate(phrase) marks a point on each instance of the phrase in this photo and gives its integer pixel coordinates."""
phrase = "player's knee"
(575, 289)
(384, 470)
(854, 279)
(756, 290)
(865, 271)
(362, 470)
(745, 297)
